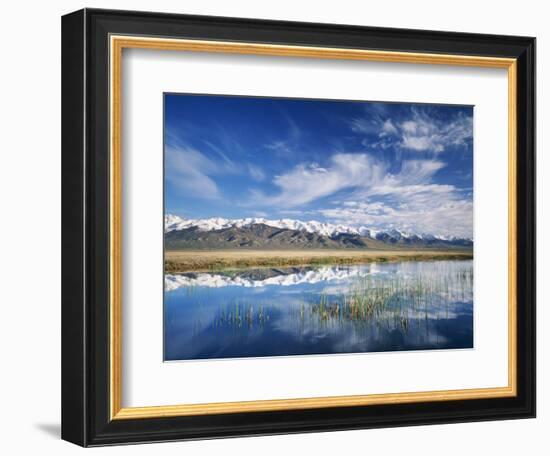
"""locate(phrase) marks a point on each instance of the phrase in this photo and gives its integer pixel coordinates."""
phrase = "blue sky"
(380, 165)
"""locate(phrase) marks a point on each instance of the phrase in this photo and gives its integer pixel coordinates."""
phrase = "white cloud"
(423, 133)
(192, 171)
(256, 172)
(189, 170)
(359, 172)
(420, 132)
(407, 199)
(366, 125)
(308, 182)
(388, 128)
(414, 172)
(409, 126)
(441, 213)
(221, 153)
(410, 201)
(421, 143)
(281, 147)
(288, 144)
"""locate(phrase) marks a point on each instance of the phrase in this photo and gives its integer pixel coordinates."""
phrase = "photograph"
(280, 223)
(316, 227)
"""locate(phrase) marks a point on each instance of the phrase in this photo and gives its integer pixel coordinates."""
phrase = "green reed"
(241, 315)
(393, 301)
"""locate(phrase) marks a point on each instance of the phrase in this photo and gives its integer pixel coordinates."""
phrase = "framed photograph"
(277, 227)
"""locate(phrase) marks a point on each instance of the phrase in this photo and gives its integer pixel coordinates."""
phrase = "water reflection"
(330, 309)
(268, 276)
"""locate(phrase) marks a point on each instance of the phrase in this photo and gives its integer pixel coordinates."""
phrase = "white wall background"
(30, 226)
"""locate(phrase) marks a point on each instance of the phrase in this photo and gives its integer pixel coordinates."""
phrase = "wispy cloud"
(362, 172)
(221, 153)
(190, 171)
(410, 201)
(417, 132)
(407, 199)
(381, 165)
(193, 170)
(388, 128)
(287, 144)
(255, 172)
(437, 211)
(308, 182)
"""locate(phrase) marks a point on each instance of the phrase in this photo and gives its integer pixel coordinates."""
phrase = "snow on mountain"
(176, 223)
(218, 280)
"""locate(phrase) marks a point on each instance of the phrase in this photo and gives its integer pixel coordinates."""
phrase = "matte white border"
(149, 381)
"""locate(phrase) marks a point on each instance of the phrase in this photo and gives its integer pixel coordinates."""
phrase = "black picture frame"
(85, 225)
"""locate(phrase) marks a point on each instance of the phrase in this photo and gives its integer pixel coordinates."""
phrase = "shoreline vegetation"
(217, 260)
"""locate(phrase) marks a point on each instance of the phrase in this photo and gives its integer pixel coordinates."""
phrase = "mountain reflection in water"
(319, 310)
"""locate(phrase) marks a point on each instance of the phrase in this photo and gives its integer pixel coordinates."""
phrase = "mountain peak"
(176, 223)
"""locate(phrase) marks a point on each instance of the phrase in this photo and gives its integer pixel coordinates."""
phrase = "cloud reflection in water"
(324, 310)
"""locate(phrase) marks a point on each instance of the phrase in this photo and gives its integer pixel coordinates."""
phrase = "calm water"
(330, 309)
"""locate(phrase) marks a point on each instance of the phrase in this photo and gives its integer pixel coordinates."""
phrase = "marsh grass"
(394, 302)
(239, 314)
(375, 301)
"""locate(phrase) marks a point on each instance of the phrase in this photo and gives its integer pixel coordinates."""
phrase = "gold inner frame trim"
(117, 44)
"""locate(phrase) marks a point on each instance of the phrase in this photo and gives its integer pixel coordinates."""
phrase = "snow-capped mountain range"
(309, 276)
(176, 223)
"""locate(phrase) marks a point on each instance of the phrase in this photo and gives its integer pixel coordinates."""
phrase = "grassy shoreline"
(216, 260)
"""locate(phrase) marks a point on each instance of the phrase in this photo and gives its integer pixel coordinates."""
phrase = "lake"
(375, 307)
